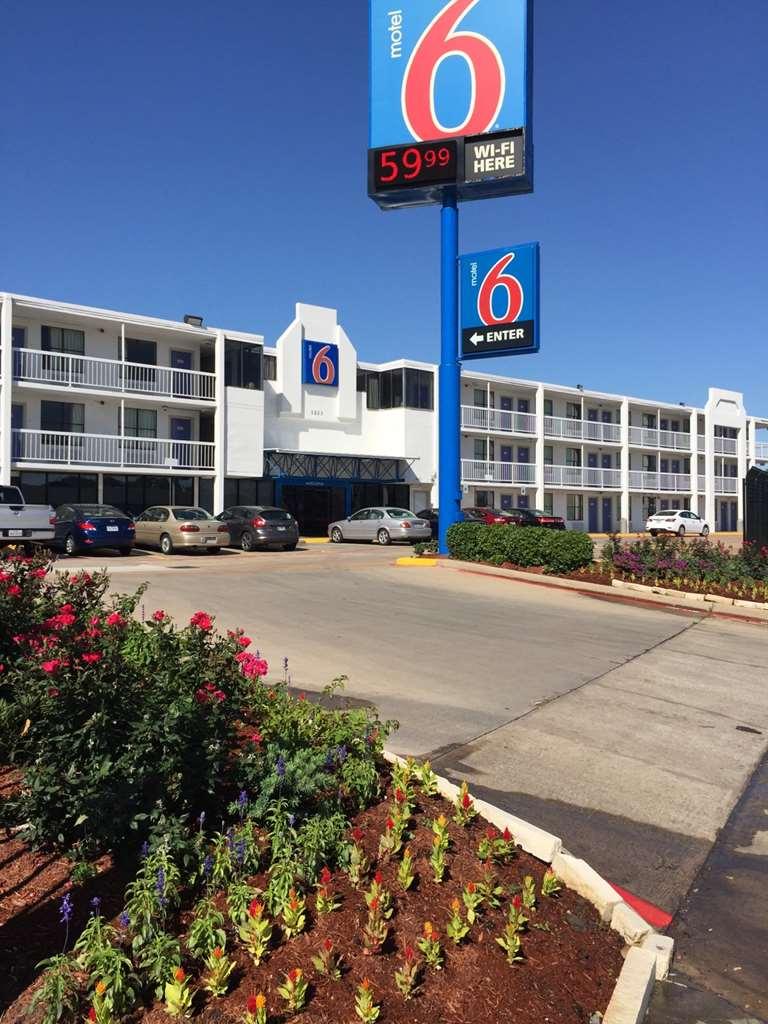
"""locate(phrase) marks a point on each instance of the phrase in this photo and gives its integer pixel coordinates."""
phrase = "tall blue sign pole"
(449, 456)
(450, 121)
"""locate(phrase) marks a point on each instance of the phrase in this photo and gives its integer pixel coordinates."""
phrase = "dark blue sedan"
(82, 528)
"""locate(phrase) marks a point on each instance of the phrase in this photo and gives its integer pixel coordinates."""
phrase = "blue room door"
(607, 515)
(592, 511)
(182, 382)
(181, 430)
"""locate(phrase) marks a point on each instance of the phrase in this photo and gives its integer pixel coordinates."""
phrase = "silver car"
(381, 525)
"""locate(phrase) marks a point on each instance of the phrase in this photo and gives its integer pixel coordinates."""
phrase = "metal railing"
(504, 421)
(73, 371)
(476, 471)
(761, 451)
(726, 485)
(726, 446)
(581, 476)
(642, 480)
(72, 449)
(702, 482)
(650, 437)
(582, 430)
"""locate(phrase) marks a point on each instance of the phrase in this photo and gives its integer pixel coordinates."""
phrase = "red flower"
(39, 574)
(325, 876)
(302, 696)
(374, 904)
(471, 887)
(115, 619)
(466, 801)
(378, 878)
(517, 902)
(254, 1003)
(53, 692)
(408, 953)
(244, 641)
(255, 909)
(159, 615)
(202, 621)
(202, 696)
(179, 974)
(294, 974)
(4, 577)
(91, 659)
(51, 666)
(357, 834)
(390, 824)
(256, 737)
(491, 832)
(399, 796)
(218, 952)
(507, 836)
(328, 945)
(91, 1014)
(14, 590)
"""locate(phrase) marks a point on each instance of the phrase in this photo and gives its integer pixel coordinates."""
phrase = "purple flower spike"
(66, 910)
(124, 919)
(280, 767)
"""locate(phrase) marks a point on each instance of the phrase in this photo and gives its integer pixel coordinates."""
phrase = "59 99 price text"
(416, 165)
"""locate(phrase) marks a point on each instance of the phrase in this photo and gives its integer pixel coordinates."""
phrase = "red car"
(491, 516)
(535, 517)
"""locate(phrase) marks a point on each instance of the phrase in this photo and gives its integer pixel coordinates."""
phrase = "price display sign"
(422, 164)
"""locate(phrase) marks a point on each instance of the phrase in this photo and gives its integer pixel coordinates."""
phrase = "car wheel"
(681, 531)
(166, 544)
(125, 552)
(336, 535)
(382, 537)
(70, 545)
(246, 541)
(289, 547)
(705, 531)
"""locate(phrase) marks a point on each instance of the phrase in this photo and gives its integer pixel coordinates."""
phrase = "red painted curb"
(655, 916)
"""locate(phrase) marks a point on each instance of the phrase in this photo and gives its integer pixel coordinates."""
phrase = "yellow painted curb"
(315, 540)
(413, 560)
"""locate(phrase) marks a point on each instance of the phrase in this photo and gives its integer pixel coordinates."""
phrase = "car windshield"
(273, 515)
(399, 513)
(186, 515)
(535, 511)
(99, 510)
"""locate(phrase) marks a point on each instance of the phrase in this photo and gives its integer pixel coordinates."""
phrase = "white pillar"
(540, 446)
(624, 517)
(220, 427)
(741, 472)
(6, 388)
(709, 470)
(694, 436)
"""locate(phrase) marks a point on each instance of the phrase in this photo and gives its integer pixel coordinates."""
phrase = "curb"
(315, 540)
(758, 608)
(649, 955)
(427, 563)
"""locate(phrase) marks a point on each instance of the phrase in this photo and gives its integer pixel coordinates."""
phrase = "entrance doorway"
(313, 507)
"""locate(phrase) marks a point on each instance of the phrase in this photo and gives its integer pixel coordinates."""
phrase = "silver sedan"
(381, 525)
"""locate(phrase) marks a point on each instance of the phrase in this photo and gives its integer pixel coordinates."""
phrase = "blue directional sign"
(500, 302)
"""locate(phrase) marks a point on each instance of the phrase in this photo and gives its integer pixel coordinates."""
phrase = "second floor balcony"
(726, 446)
(582, 476)
(650, 437)
(727, 485)
(761, 451)
(60, 448)
(476, 471)
(88, 373)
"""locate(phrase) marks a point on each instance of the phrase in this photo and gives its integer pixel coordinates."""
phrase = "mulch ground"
(571, 960)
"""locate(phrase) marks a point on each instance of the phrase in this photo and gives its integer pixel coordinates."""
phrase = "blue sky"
(191, 157)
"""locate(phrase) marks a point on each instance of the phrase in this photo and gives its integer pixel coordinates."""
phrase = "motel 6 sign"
(500, 302)
(450, 100)
(321, 364)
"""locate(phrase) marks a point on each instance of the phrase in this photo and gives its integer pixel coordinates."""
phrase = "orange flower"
(471, 888)
(294, 975)
(365, 985)
(101, 988)
(261, 1001)
(255, 909)
(455, 906)
(436, 840)
(218, 953)
(428, 929)
(179, 974)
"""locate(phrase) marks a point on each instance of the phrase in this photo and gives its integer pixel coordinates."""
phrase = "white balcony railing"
(726, 446)
(702, 482)
(503, 421)
(641, 480)
(582, 476)
(71, 449)
(761, 451)
(74, 372)
(649, 437)
(726, 485)
(474, 471)
(582, 430)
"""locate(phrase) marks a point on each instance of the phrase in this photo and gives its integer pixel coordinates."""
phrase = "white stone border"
(648, 954)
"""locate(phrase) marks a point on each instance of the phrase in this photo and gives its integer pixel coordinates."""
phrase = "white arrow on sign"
(476, 339)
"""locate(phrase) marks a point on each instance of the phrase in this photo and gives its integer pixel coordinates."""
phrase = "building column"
(539, 447)
(6, 388)
(624, 517)
(709, 471)
(741, 473)
(694, 436)
(752, 444)
(219, 426)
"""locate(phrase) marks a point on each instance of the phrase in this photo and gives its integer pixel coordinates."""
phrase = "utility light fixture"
(193, 321)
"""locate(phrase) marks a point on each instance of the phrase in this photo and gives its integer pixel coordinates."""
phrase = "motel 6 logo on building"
(321, 364)
(444, 68)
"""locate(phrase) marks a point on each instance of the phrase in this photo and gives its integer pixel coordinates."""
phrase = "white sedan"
(676, 520)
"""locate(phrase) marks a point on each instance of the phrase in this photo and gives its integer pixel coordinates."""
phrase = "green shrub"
(554, 550)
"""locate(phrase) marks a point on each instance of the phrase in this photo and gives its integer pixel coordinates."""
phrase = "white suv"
(676, 520)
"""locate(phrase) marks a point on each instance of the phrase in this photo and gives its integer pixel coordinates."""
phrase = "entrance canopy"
(315, 466)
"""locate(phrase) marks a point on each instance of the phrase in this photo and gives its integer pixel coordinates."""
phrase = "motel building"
(99, 405)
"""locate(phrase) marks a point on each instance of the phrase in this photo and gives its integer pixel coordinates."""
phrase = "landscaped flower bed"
(265, 863)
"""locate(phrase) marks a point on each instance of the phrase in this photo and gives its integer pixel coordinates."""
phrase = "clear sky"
(184, 156)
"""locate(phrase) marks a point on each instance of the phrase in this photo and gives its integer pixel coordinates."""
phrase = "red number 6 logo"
(323, 370)
(496, 278)
(439, 41)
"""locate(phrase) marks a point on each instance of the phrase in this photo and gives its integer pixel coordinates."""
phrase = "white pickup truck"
(23, 524)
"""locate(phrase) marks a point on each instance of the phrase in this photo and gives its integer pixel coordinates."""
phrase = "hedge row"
(555, 550)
